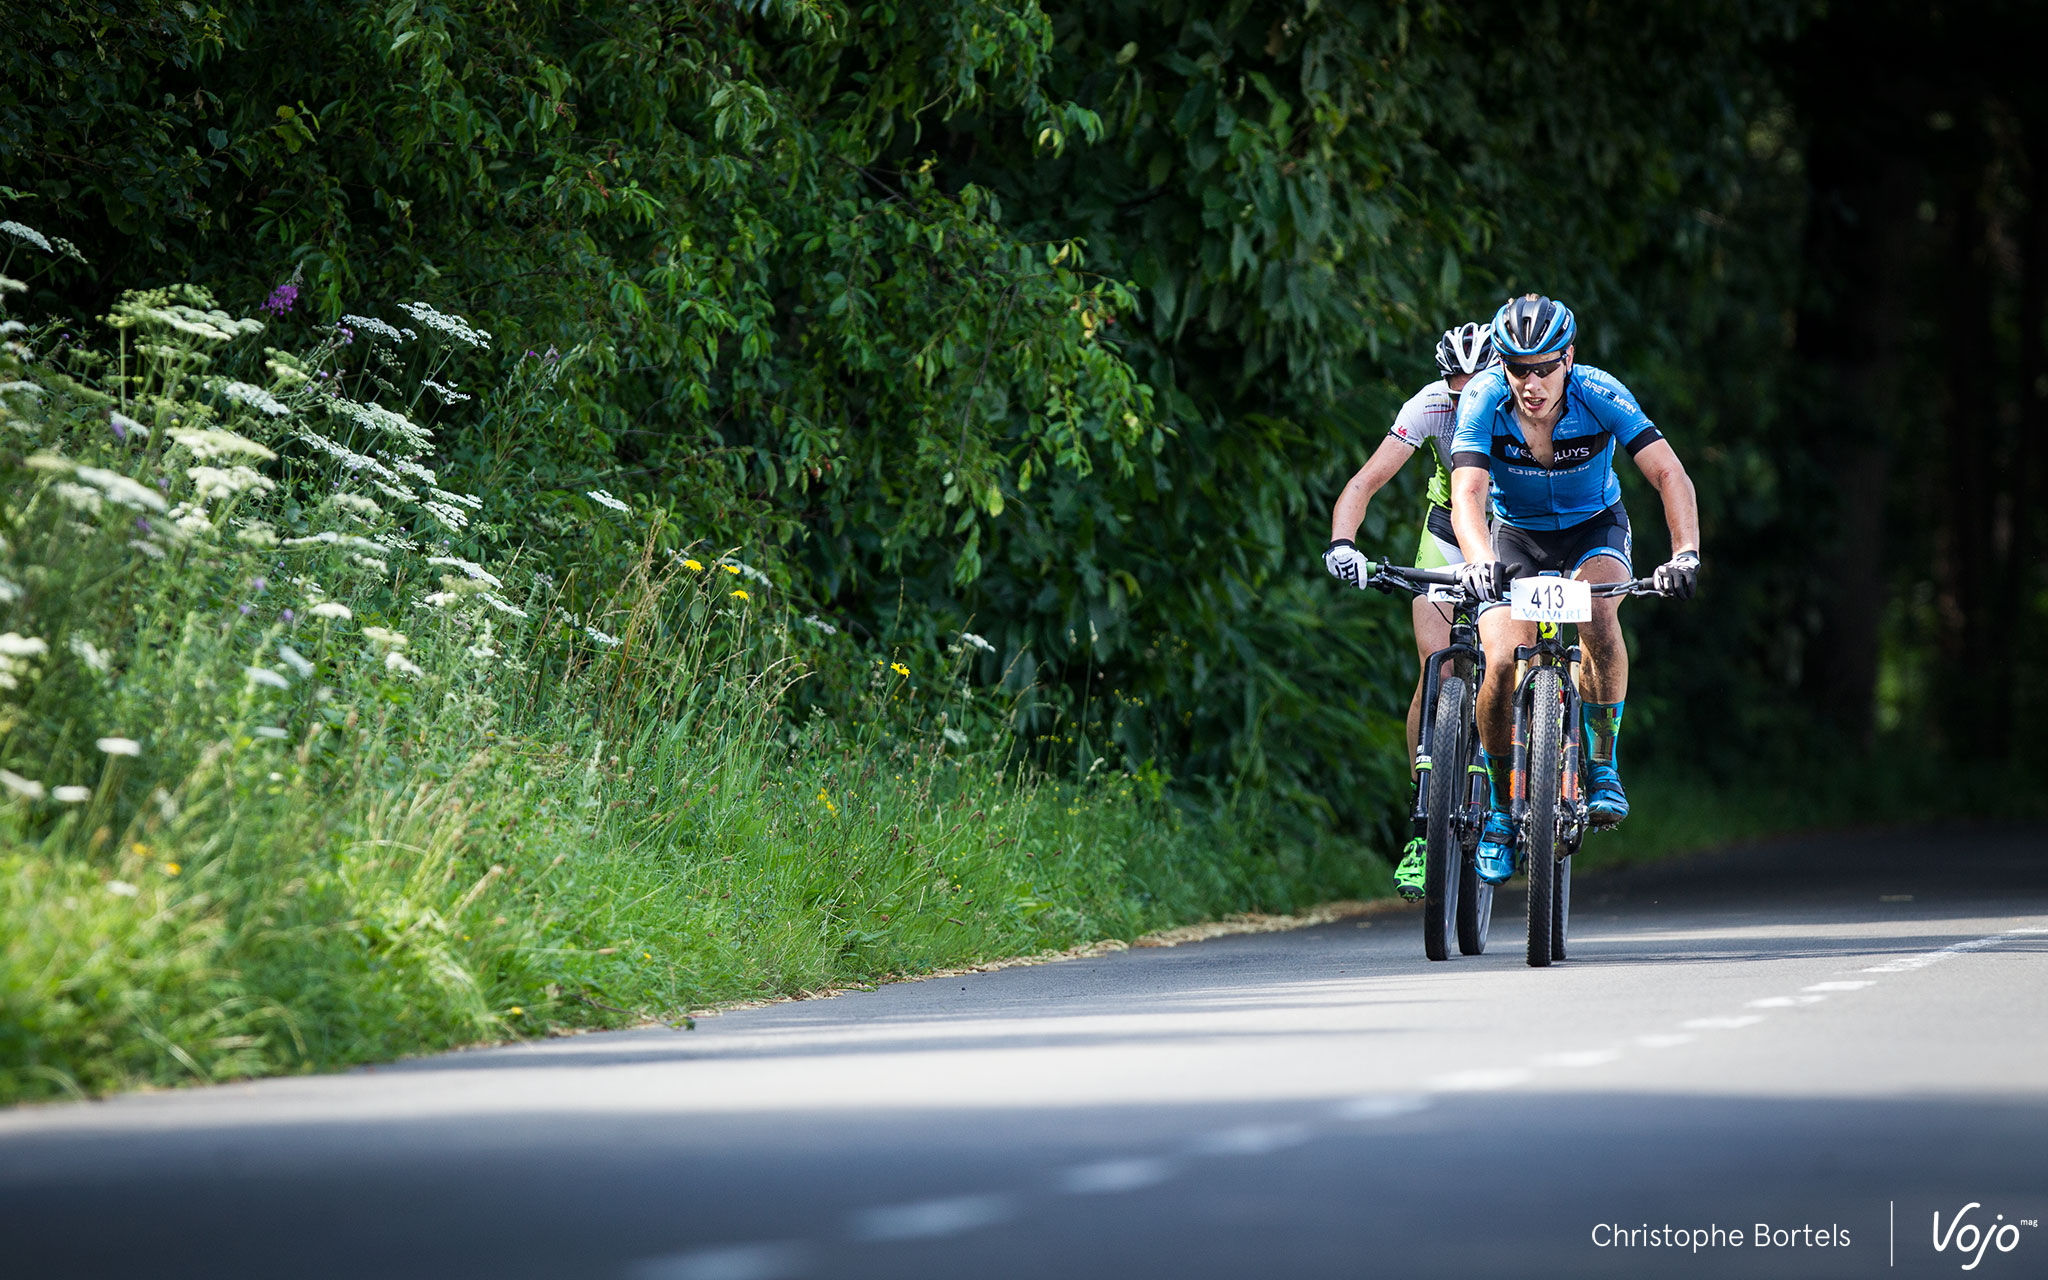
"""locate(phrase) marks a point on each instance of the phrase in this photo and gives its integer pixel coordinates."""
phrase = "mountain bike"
(1547, 805)
(1450, 796)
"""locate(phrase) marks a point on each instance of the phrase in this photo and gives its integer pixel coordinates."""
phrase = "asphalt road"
(1845, 1040)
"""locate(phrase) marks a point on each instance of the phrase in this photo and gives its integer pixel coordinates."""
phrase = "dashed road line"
(1108, 1177)
(930, 1219)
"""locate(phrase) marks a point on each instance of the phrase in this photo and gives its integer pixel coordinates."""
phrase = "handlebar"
(1393, 577)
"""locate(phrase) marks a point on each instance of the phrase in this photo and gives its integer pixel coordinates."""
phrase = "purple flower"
(259, 584)
(246, 610)
(280, 301)
(347, 334)
(287, 615)
(142, 524)
(114, 425)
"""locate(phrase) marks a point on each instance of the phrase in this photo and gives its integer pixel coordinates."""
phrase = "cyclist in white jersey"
(1428, 419)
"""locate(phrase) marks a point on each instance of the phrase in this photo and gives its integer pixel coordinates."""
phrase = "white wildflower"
(18, 646)
(375, 417)
(448, 393)
(266, 677)
(213, 483)
(395, 542)
(372, 563)
(271, 732)
(459, 499)
(127, 427)
(356, 504)
(470, 569)
(371, 325)
(122, 889)
(398, 662)
(416, 470)
(121, 490)
(332, 538)
(609, 642)
(954, 736)
(301, 665)
(502, 605)
(969, 638)
(329, 609)
(451, 518)
(19, 387)
(9, 328)
(481, 651)
(95, 658)
(394, 492)
(146, 547)
(822, 625)
(214, 442)
(385, 637)
(26, 788)
(78, 497)
(256, 533)
(191, 517)
(604, 499)
(8, 284)
(28, 235)
(452, 326)
(439, 599)
(255, 397)
(71, 794)
(10, 591)
(349, 458)
(119, 746)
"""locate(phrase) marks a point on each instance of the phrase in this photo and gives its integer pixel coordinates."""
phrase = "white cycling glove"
(1347, 563)
(1679, 575)
(1483, 580)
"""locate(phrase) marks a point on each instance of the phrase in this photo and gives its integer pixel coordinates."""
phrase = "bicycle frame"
(1549, 650)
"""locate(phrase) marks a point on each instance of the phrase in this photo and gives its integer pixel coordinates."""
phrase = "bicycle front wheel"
(1545, 710)
(1443, 851)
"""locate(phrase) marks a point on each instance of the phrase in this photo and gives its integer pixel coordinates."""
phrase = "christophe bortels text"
(1612, 1235)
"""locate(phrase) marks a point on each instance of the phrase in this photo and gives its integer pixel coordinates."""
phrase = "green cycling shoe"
(1408, 875)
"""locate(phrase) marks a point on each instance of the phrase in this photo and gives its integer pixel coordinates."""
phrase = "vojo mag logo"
(1968, 1239)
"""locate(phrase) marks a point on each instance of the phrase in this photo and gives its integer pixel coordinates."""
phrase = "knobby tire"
(1444, 856)
(1545, 712)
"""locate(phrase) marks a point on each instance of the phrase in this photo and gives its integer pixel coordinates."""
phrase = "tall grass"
(291, 780)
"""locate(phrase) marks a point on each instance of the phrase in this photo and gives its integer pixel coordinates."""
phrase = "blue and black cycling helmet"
(1531, 324)
(1466, 349)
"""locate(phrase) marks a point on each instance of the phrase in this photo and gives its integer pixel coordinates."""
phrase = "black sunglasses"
(1543, 370)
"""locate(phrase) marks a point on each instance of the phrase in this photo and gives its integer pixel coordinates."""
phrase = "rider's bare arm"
(1660, 466)
(1349, 512)
(1469, 487)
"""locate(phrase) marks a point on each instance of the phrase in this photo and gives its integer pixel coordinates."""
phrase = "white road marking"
(1579, 1058)
(1907, 964)
(774, 1260)
(1481, 1078)
(1249, 1140)
(1109, 1176)
(1668, 1040)
(930, 1219)
(1723, 1023)
(1772, 1002)
(1382, 1106)
(1839, 986)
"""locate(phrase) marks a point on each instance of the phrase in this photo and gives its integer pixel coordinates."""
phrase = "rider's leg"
(1432, 632)
(1603, 688)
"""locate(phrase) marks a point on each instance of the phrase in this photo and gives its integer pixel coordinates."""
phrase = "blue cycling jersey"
(1599, 415)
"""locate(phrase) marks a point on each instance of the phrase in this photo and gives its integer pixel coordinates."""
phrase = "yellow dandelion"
(742, 595)
(647, 955)
(899, 668)
(732, 569)
(515, 1009)
(693, 566)
(172, 868)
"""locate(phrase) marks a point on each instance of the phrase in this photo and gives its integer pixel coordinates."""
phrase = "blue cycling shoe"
(1609, 803)
(1496, 860)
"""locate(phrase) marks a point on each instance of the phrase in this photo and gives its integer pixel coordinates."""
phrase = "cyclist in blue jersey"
(1424, 423)
(1534, 447)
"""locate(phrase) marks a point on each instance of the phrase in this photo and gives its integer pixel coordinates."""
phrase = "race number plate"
(1550, 600)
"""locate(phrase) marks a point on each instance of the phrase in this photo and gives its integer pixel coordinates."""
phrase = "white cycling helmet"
(1466, 349)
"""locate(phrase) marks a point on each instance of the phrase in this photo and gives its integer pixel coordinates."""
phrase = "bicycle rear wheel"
(1443, 853)
(1560, 908)
(1545, 712)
